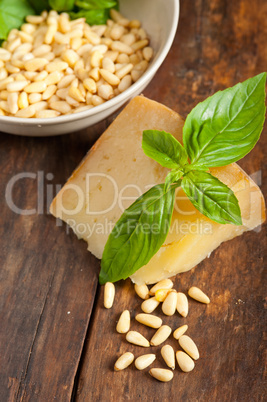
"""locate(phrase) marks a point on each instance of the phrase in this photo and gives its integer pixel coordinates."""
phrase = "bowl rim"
(119, 99)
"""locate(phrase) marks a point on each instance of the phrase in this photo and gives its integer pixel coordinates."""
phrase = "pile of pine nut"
(53, 66)
(171, 301)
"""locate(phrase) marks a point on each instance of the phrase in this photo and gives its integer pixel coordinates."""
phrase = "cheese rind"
(116, 171)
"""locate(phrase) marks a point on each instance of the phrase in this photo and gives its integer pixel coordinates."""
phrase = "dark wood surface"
(57, 342)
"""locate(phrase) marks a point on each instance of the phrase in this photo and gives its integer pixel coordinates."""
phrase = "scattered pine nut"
(182, 304)
(168, 355)
(144, 361)
(123, 324)
(164, 284)
(109, 290)
(169, 304)
(142, 291)
(149, 305)
(163, 375)
(137, 339)
(189, 346)
(198, 295)
(124, 361)
(161, 294)
(180, 331)
(184, 361)
(161, 335)
(149, 320)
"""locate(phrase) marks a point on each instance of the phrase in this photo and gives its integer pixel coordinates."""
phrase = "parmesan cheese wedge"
(116, 171)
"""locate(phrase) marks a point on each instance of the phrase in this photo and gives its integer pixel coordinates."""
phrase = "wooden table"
(57, 342)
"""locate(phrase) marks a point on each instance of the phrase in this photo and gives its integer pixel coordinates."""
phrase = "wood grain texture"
(48, 280)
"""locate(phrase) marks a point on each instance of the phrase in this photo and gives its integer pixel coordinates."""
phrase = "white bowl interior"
(160, 19)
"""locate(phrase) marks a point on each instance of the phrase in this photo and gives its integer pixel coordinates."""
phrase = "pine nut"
(180, 331)
(169, 304)
(90, 85)
(97, 100)
(148, 53)
(189, 346)
(83, 108)
(134, 24)
(65, 81)
(140, 44)
(56, 66)
(4, 94)
(72, 102)
(163, 284)
(35, 64)
(137, 339)
(2, 113)
(30, 75)
(168, 355)
(36, 87)
(49, 36)
(34, 19)
(128, 39)
(50, 90)
(61, 39)
(85, 49)
(76, 43)
(124, 70)
(12, 101)
(4, 106)
(34, 98)
(123, 58)
(182, 304)
(136, 75)
(41, 76)
(185, 362)
(124, 361)
(105, 91)
(161, 294)
(45, 114)
(142, 291)
(20, 77)
(149, 320)
(108, 64)
(28, 28)
(161, 335)
(163, 375)
(40, 106)
(53, 78)
(144, 361)
(70, 56)
(149, 305)
(116, 32)
(121, 47)
(109, 290)
(94, 73)
(198, 295)
(49, 56)
(5, 55)
(4, 82)
(76, 94)
(3, 74)
(11, 68)
(92, 37)
(26, 112)
(111, 78)
(12, 45)
(62, 107)
(141, 66)
(96, 58)
(16, 86)
(123, 324)
(112, 55)
(23, 100)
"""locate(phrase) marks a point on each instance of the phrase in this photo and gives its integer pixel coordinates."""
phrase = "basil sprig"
(218, 131)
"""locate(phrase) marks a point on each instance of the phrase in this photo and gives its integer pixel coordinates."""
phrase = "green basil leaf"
(12, 14)
(39, 5)
(226, 126)
(163, 148)
(62, 5)
(137, 235)
(93, 17)
(95, 4)
(212, 197)
(172, 176)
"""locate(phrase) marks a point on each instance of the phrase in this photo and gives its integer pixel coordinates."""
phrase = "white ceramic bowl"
(160, 19)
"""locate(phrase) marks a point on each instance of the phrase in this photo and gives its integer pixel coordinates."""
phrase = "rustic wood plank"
(46, 289)
(218, 43)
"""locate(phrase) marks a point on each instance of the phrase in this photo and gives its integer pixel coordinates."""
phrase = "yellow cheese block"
(116, 171)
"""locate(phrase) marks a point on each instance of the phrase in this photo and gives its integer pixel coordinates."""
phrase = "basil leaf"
(93, 17)
(39, 5)
(137, 235)
(95, 4)
(172, 176)
(163, 148)
(62, 5)
(226, 126)
(12, 14)
(212, 197)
